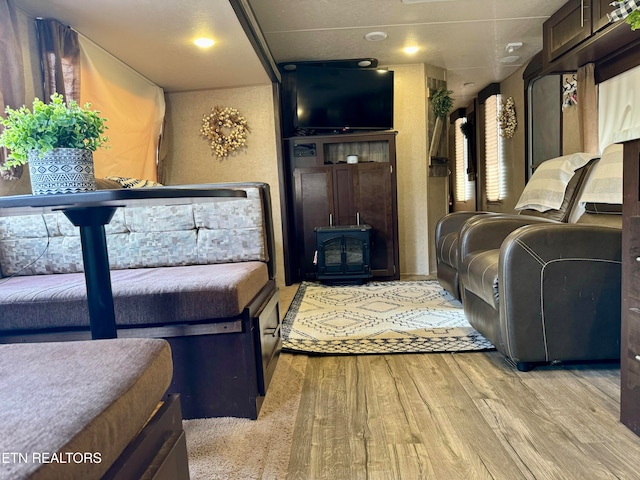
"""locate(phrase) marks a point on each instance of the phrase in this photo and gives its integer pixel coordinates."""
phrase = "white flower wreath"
(225, 129)
(507, 118)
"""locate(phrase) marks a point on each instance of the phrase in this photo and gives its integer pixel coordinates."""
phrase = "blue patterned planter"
(62, 170)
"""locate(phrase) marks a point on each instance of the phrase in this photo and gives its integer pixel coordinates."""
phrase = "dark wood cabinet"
(328, 191)
(566, 28)
(599, 10)
(373, 198)
(313, 194)
(572, 25)
(630, 341)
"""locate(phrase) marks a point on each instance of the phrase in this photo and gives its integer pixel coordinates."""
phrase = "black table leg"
(96, 267)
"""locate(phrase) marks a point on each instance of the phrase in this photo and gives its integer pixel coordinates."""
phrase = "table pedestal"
(95, 257)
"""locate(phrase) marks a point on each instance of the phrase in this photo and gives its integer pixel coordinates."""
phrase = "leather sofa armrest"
(559, 288)
(452, 222)
(488, 232)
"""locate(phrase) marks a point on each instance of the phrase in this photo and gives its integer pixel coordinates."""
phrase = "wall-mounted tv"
(343, 99)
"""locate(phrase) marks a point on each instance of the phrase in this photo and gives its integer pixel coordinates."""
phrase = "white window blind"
(493, 156)
(462, 186)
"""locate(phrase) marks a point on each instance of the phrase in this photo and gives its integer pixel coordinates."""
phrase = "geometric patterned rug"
(378, 317)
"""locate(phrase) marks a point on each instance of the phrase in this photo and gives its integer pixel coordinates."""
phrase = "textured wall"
(189, 158)
(410, 120)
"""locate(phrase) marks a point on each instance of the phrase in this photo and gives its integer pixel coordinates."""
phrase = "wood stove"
(343, 253)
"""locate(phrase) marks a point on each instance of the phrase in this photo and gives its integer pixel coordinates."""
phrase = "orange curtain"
(134, 108)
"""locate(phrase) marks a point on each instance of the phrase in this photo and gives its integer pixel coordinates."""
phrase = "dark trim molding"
(627, 58)
(488, 91)
(250, 25)
(456, 114)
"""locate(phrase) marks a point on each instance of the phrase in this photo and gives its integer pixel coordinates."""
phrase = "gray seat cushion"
(143, 296)
(77, 397)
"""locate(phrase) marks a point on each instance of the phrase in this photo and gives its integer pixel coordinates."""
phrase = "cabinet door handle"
(331, 219)
(357, 218)
(273, 331)
(581, 13)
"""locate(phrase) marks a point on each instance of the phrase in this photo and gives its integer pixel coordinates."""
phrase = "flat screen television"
(344, 99)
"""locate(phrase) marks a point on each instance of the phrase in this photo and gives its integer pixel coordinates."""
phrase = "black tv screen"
(344, 99)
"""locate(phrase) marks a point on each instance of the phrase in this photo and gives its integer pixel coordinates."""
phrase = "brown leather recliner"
(545, 291)
(448, 230)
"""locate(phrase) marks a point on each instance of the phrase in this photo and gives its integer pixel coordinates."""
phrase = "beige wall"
(189, 158)
(410, 120)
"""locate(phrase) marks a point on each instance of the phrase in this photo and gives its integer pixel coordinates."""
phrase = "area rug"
(376, 318)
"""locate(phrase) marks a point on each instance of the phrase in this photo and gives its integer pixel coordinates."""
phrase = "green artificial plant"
(442, 102)
(50, 125)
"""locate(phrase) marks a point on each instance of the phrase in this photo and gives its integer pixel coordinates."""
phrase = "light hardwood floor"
(459, 416)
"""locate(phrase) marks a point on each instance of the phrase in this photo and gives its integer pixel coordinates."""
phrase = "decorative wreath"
(225, 129)
(507, 118)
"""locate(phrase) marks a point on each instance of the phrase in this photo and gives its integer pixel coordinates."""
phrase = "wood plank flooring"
(459, 416)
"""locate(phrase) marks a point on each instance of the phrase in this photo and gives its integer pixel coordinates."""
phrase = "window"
(493, 152)
(462, 189)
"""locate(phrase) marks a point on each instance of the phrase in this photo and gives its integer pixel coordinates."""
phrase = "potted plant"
(57, 139)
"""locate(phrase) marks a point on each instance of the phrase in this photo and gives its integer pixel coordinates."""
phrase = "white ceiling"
(465, 37)
(155, 38)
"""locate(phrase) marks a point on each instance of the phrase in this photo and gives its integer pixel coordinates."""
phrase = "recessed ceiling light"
(375, 36)
(364, 63)
(204, 42)
(411, 50)
(290, 67)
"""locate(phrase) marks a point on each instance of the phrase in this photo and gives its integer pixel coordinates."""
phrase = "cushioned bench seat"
(142, 296)
(88, 397)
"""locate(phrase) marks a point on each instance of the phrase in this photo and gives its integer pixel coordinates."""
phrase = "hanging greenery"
(442, 102)
(465, 128)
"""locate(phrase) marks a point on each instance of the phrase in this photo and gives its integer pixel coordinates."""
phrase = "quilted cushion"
(140, 237)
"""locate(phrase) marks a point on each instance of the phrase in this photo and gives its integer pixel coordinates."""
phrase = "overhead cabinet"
(574, 23)
(328, 191)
